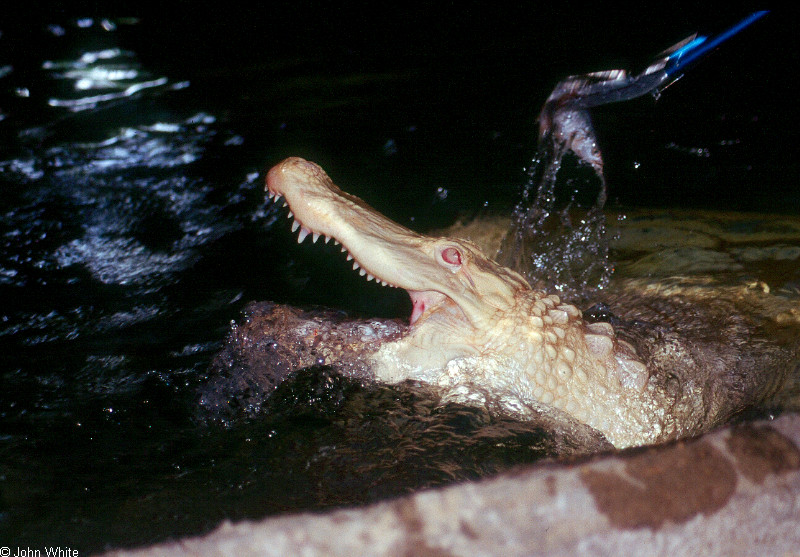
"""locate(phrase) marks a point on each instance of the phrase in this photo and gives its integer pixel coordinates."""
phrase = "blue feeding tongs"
(565, 119)
(616, 85)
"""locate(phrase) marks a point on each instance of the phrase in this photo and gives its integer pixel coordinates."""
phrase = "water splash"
(558, 235)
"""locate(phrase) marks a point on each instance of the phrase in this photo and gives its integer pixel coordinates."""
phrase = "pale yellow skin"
(478, 330)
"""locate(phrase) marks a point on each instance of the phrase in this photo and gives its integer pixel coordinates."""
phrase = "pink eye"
(451, 256)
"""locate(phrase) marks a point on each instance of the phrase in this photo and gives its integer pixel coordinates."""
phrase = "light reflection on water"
(111, 70)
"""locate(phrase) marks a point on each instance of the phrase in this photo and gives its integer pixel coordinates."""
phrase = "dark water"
(134, 229)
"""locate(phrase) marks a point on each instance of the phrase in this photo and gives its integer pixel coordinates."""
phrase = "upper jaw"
(316, 207)
(379, 248)
(293, 180)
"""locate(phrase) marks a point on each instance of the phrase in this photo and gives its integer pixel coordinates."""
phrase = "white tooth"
(383, 283)
(369, 277)
(270, 194)
(335, 241)
(327, 239)
(315, 237)
(302, 235)
(355, 265)
(289, 215)
(349, 257)
(362, 272)
(295, 226)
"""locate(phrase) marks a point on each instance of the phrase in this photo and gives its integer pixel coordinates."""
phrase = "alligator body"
(651, 366)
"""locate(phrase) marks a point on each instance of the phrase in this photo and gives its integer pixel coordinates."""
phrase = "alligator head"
(477, 329)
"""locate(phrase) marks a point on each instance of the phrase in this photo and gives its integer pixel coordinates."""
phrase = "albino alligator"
(657, 368)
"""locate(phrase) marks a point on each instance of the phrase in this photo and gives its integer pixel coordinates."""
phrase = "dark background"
(471, 79)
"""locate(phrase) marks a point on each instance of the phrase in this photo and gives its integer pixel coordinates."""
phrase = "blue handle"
(701, 46)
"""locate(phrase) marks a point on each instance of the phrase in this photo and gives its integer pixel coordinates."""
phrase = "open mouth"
(319, 209)
(421, 301)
